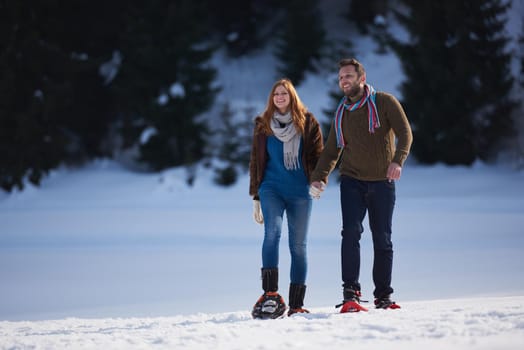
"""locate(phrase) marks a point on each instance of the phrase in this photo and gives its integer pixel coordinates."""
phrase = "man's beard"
(353, 91)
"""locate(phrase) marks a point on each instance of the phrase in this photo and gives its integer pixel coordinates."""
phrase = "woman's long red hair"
(297, 108)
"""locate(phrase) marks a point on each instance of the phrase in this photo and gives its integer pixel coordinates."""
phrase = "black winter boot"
(270, 280)
(270, 304)
(385, 302)
(351, 294)
(296, 299)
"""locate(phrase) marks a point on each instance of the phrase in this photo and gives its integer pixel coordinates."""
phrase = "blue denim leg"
(273, 207)
(298, 210)
(298, 213)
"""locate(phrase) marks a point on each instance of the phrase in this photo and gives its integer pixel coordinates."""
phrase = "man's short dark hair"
(359, 68)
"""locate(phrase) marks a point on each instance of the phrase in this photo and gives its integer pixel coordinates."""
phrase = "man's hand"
(394, 172)
(316, 189)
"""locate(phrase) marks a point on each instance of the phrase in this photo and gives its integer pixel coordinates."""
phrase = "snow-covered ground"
(100, 257)
(487, 324)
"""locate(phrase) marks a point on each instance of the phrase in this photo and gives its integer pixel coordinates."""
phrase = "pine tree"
(229, 143)
(521, 44)
(520, 112)
(364, 13)
(53, 107)
(301, 40)
(164, 81)
(456, 92)
(240, 24)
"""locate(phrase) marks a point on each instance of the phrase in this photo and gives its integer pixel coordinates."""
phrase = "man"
(371, 136)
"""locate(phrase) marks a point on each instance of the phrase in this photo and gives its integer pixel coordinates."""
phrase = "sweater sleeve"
(401, 128)
(328, 158)
(253, 167)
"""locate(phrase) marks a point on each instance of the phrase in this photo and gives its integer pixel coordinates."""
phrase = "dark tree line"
(83, 79)
(60, 105)
(458, 78)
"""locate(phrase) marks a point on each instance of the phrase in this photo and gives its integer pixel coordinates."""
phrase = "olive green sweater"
(366, 156)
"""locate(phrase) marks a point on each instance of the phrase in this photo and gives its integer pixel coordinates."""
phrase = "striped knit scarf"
(368, 98)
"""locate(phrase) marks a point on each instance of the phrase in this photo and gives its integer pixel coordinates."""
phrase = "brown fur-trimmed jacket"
(312, 147)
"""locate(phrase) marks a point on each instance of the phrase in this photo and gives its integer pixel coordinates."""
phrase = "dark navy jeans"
(298, 211)
(377, 198)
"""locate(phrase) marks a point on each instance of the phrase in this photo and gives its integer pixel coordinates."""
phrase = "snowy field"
(487, 323)
(100, 257)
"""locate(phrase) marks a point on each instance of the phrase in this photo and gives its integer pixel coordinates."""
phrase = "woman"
(287, 142)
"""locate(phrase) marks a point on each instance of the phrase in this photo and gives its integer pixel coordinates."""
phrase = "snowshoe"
(269, 306)
(351, 306)
(351, 301)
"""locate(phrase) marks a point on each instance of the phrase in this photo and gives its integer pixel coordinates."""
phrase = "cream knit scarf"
(285, 131)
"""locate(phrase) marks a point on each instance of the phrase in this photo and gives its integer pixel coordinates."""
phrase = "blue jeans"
(378, 199)
(298, 211)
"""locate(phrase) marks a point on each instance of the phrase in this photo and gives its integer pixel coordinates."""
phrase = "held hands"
(257, 212)
(316, 189)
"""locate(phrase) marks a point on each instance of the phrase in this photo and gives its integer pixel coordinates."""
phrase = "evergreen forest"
(84, 79)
